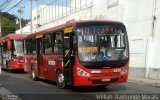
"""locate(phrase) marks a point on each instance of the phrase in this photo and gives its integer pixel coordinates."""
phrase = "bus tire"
(33, 74)
(60, 80)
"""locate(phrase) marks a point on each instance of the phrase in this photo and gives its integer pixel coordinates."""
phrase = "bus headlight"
(124, 71)
(81, 72)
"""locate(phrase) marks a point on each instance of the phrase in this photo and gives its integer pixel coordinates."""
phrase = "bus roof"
(12, 37)
(70, 24)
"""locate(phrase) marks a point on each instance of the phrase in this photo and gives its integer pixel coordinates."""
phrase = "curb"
(144, 82)
(157, 85)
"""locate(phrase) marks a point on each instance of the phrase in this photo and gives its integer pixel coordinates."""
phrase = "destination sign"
(87, 49)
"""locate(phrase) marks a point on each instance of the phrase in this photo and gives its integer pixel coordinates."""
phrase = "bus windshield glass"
(102, 42)
(18, 44)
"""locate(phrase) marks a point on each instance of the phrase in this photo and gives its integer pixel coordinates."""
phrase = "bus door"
(39, 55)
(68, 58)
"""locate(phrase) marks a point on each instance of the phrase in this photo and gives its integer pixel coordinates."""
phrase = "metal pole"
(55, 10)
(62, 8)
(31, 14)
(0, 25)
(70, 5)
(75, 5)
(0, 28)
(20, 22)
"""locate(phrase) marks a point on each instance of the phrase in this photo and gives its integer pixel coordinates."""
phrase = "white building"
(45, 16)
(141, 18)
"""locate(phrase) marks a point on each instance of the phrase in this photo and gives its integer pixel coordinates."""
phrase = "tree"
(8, 23)
(7, 26)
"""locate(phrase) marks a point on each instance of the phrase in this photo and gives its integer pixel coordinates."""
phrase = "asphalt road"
(26, 89)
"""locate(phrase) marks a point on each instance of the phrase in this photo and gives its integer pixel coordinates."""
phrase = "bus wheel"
(33, 74)
(60, 80)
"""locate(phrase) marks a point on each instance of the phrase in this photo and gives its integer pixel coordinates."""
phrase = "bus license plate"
(105, 80)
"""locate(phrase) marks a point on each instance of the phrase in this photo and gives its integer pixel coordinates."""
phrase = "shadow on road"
(14, 71)
(109, 88)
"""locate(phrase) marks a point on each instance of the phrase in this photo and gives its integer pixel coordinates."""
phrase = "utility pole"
(31, 15)
(0, 24)
(20, 22)
(0, 28)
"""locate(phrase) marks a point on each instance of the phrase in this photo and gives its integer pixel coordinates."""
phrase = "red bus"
(11, 50)
(79, 53)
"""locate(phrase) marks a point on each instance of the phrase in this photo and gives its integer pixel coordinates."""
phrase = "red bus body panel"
(15, 62)
(48, 71)
(50, 64)
(106, 74)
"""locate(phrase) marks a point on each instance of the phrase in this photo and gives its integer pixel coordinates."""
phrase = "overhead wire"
(5, 4)
(14, 5)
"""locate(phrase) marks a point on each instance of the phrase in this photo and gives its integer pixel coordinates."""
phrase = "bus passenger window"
(48, 44)
(33, 46)
(58, 49)
(28, 47)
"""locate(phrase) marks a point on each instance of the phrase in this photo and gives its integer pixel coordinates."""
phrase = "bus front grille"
(105, 74)
(102, 82)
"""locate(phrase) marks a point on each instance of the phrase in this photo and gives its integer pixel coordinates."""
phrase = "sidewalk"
(5, 94)
(153, 82)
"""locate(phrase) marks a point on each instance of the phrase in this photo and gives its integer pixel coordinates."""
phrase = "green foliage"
(7, 26)
(8, 23)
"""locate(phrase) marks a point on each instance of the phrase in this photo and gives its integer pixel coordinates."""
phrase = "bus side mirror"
(9, 45)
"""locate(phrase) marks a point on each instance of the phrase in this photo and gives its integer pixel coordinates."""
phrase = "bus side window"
(58, 48)
(4, 50)
(48, 44)
(13, 51)
(28, 45)
(33, 46)
(24, 46)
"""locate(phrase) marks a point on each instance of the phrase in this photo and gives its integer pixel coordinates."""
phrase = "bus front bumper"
(17, 65)
(99, 81)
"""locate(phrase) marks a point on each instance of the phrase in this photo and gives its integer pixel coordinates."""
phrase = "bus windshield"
(18, 44)
(101, 43)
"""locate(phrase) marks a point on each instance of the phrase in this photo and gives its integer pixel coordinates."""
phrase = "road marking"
(7, 95)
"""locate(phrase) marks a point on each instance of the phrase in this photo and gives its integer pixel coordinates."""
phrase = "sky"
(25, 4)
